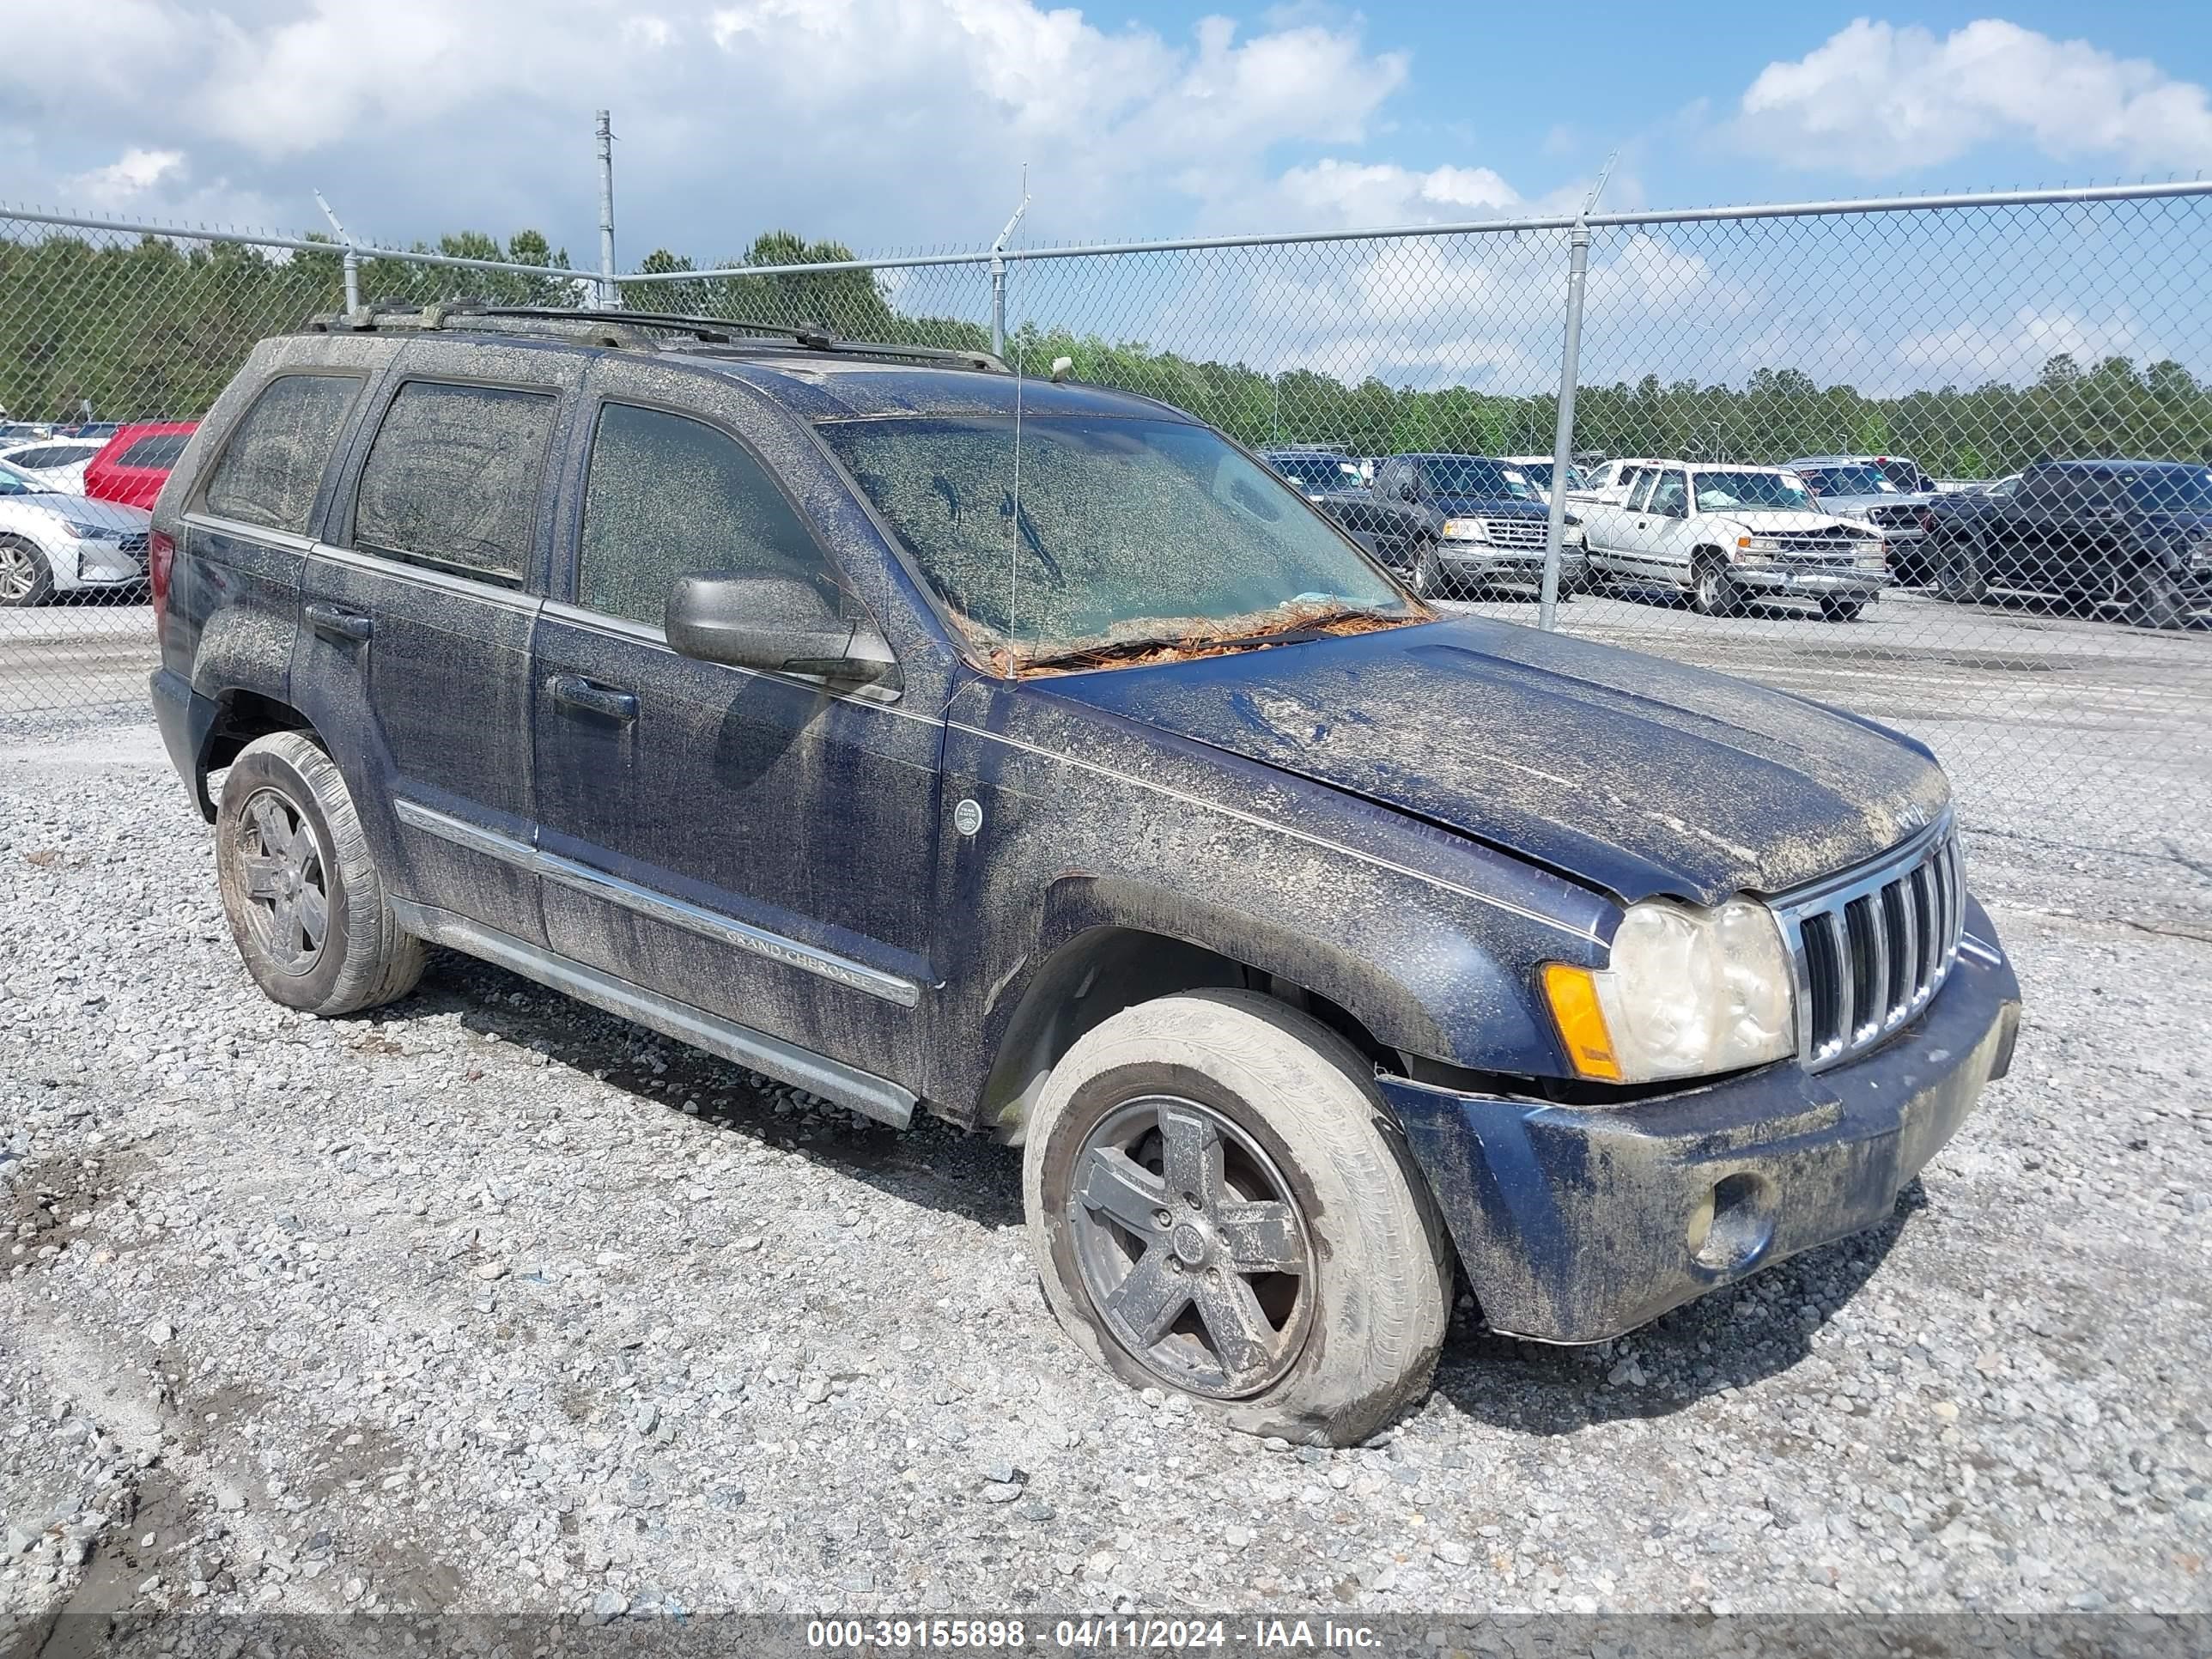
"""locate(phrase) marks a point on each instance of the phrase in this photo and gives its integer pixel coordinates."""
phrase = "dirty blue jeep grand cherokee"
(1030, 753)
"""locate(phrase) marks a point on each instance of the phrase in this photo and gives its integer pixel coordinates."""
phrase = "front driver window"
(671, 496)
(1670, 496)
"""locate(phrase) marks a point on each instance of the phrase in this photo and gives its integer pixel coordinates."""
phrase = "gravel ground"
(489, 1302)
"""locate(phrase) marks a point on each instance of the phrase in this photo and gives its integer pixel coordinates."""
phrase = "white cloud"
(2016, 347)
(130, 175)
(1878, 99)
(879, 121)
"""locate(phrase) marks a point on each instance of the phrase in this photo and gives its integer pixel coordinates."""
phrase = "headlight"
(1688, 993)
(1465, 529)
(93, 532)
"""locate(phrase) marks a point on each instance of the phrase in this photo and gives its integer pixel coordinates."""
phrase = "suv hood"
(1633, 773)
(1768, 522)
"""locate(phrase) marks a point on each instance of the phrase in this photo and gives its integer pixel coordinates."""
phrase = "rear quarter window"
(273, 465)
(160, 451)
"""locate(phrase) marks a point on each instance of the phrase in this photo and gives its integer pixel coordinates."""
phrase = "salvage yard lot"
(491, 1301)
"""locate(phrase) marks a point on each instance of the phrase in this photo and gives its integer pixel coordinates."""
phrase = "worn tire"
(39, 585)
(1712, 592)
(365, 958)
(1382, 1260)
(2155, 599)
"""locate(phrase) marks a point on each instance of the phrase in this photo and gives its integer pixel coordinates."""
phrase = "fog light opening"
(1733, 1225)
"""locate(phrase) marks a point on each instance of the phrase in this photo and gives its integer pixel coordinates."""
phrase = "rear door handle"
(334, 623)
(577, 692)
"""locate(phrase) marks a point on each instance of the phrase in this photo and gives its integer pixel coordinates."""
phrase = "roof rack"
(644, 329)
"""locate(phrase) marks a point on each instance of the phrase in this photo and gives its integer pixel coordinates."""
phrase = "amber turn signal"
(1572, 993)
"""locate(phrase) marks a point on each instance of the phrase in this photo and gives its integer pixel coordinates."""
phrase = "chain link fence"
(1946, 464)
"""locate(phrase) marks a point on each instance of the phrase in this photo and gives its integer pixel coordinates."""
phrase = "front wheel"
(1843, 611)
(1428, 571)
(1959, 574)
(1219, 1203)
(1712, 591)
(26, 577)
(2156, 598)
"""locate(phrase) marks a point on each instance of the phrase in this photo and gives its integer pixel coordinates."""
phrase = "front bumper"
(1822, 581)
(1479, 563)
(1576, 1223)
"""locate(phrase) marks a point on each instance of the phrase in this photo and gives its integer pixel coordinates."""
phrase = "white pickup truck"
(1724, 534)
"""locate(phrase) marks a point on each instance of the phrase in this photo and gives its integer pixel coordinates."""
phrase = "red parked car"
(135, 462)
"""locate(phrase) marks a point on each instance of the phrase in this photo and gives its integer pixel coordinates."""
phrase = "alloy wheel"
(19, 573)
(287, 882)
(1193, 1247)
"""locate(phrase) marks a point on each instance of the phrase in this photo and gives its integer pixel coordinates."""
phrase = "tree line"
(150, 329)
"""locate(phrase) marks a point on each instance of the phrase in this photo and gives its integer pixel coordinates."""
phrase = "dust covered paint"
(1048, 815)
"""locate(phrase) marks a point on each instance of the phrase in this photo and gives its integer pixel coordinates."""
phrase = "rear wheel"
(306, 903)
(1843, 611)
(26, 577)
(1219, 1203)
(2156, 598)
(1959, 574)
(1712, 591)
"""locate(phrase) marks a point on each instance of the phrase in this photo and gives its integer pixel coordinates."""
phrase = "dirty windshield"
(1718, 491)
(1125, 531)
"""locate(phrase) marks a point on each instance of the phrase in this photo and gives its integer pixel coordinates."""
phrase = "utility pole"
(1563, 434)
(610, 293)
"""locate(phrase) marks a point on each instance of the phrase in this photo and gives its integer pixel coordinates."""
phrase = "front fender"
(1091, 821)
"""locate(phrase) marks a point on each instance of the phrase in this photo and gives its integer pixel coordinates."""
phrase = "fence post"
(999, 271)
(1563, 434)
(609, 295)
(352, 281)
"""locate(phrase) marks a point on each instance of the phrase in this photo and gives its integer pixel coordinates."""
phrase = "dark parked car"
(1493, 525)
(2136, 535)
(1307, 942)
(1315, 472)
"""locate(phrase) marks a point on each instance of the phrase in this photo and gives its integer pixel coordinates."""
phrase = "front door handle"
(334, 623)
(577, 692)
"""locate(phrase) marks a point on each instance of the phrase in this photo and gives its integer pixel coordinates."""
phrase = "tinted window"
(1467, 475)
(160, 451)
(453, 478)
(53, 455)
(669, 495)
(270, 473)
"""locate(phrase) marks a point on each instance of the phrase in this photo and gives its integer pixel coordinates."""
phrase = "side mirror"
(779, 624)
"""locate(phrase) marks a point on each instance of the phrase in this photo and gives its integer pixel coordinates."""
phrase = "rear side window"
(274, 465)
(452, 479)
(668, 497)
(160, 450)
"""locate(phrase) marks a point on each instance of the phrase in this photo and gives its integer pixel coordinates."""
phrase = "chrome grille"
(1873, 946)
(1516, 532)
